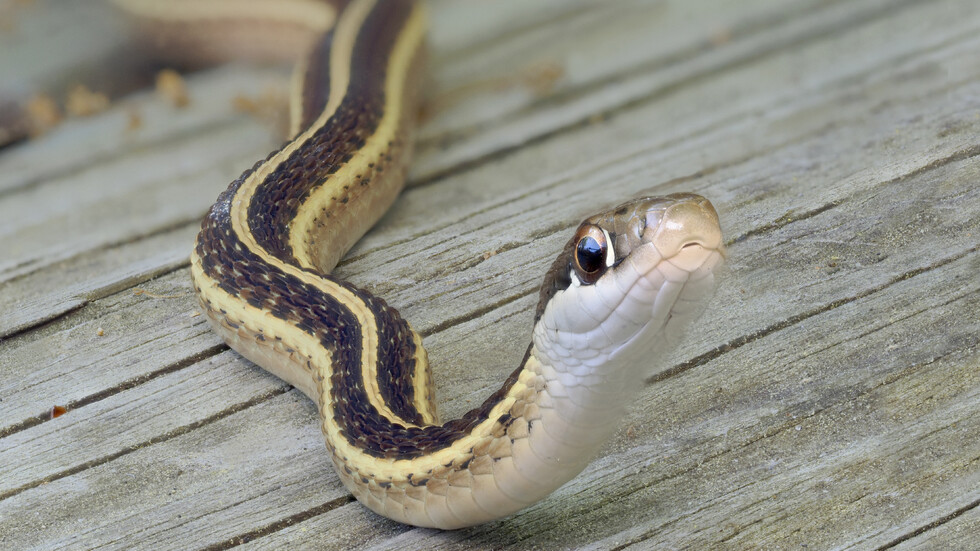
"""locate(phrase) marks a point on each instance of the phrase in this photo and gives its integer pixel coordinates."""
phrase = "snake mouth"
(719, 248)
(693, 258)
(670, 295)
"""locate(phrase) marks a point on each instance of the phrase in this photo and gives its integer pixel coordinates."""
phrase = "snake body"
(624, 288)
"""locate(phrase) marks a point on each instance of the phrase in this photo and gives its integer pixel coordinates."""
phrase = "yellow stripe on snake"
(624, 289)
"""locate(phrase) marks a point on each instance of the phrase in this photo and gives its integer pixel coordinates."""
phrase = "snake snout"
(689, 222)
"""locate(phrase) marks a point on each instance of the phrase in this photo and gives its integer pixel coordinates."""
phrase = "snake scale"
(624, 288)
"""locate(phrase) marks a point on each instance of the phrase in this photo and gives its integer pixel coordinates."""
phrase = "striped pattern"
(261, 270)
(258, 271)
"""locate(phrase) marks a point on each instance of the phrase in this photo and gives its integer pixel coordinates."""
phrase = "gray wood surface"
(829, 399)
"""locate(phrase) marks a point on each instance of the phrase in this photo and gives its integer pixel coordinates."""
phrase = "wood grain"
(829, 398)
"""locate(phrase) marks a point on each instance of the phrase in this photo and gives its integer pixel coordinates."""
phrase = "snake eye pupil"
(590, 253)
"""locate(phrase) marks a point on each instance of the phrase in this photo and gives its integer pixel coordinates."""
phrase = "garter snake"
(624, 288)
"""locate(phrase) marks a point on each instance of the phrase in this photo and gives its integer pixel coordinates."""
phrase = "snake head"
(628, 284)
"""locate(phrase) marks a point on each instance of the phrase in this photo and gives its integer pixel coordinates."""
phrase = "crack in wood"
(179, 431)
(173, 226)
(116, 389)
(90, 296)
(469, 316)
(46, 319)
(210, 127)
(790, 217)
(743, 340)
(934, 524)
(813, 34)
(772, 432)
(274, 527)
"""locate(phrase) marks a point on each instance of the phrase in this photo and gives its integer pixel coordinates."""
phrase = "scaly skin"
(262, 258)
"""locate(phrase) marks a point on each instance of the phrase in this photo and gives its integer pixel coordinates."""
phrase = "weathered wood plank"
(131, 419)
(839, 159)
(190, 490)
(158, 179)
(654, 50)
(956, 534)
(69, 363)
(41, 296)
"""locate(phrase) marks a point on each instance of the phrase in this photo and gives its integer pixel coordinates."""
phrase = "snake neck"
(526, 440)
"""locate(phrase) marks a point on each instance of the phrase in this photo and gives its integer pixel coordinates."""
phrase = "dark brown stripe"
(316, 82)
(278, 198)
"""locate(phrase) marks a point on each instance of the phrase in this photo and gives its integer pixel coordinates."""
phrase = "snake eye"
(590, 253)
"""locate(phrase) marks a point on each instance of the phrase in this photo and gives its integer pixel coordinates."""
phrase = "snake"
(625, 288)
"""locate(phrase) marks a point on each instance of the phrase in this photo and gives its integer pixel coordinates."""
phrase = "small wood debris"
(134, 121)
(83, 102)
(43, 114)
(271, 107)
(542, 77)
(100, 332)
(597, 118)
(9, 12)
(245, 104)
(170, 85)
(57, 411)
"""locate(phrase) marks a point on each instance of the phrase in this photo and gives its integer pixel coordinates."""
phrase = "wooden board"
(830, 398)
